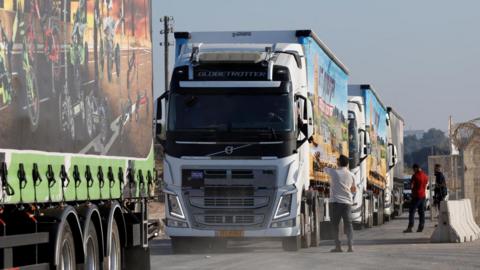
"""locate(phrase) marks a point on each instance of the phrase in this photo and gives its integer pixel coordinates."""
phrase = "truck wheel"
(316, 221)
(305, 231)
(291, 243)
(181, 245)
(92, 250)
(67, 250)
(115, 255)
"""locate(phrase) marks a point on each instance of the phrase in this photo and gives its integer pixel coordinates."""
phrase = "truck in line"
(397, 124)
(76, 153)
(252, 118)
(252, 121)
(372, 156)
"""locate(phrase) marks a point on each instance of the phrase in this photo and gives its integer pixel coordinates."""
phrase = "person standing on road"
(419, 186)
(440, 186)
(342, 187)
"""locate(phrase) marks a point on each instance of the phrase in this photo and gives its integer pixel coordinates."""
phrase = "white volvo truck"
(252, 119)
(372, 156)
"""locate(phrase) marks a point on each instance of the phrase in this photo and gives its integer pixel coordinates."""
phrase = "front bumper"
(265, 233)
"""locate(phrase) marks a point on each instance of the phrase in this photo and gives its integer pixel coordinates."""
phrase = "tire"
(305, 231)
(67, 260)
(114, 261)
(316, 218)
(92, 252)
(291, 243)
(181, 245)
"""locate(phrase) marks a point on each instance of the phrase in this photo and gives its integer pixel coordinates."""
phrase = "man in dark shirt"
(419, 186)
(440, 186)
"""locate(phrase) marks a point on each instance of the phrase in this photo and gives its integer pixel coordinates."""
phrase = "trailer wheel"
(291, 243)
(92, 258)
(67, 250)
(115, 254)
(305, 230)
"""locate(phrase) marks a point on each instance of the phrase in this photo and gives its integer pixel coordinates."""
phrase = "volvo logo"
(229, 150)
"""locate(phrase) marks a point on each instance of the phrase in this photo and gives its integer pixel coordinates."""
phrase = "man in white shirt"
(342, 187)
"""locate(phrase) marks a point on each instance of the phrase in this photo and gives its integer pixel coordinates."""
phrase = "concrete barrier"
(470, 219)
(455, 223)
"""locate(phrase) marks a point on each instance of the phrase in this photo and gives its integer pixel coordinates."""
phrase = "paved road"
(381, 247)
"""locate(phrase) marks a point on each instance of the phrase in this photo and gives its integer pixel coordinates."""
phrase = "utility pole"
(167, 30)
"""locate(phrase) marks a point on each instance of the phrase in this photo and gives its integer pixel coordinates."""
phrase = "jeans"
(342, 211)
(414, 205)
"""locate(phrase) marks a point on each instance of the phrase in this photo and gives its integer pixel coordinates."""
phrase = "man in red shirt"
(419, 186)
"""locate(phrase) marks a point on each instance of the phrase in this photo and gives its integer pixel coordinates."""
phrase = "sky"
(422, 57)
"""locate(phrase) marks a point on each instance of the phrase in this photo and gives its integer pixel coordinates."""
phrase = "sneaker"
(408, 230)
(336, 250)
(350, 250)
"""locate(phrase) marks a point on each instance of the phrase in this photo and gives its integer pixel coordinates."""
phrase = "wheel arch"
(64, 215)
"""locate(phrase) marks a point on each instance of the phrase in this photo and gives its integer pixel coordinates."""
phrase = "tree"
(433, 142)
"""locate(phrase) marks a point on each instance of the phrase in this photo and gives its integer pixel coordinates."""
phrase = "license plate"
(228, 234)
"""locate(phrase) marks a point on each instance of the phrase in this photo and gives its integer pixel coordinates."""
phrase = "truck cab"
(238, 123)
(372, 156)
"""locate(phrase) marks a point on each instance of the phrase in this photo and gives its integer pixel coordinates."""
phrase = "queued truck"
(372, 156)
(76, 138)
(397, 125)
(252, 119)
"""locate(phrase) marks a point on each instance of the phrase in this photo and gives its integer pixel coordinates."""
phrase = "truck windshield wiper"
(268, 129)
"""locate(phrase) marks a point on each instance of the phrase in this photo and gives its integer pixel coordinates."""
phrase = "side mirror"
(158, 117)
(309, 118)
(365, 144)
(392, 161)
(306, 126)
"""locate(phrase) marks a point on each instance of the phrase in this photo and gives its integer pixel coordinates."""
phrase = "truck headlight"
(176, 223)
(284, 224)
(174, 206)
(284, 205)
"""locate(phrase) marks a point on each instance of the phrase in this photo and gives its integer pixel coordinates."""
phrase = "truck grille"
(228, 191)
(241, 198)
(228, 202)
(229, 219)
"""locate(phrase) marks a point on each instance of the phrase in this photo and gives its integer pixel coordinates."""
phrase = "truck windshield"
(231, 112)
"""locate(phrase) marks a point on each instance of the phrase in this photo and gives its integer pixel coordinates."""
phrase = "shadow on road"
(163, 246)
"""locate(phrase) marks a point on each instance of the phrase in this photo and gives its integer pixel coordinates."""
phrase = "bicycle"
(29, 51)
(6, 89)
